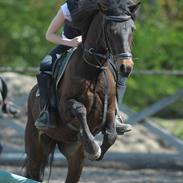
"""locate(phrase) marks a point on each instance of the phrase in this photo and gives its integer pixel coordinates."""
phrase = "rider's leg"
(44, 79)
(46, 89)
(44, 82)
(121, 127)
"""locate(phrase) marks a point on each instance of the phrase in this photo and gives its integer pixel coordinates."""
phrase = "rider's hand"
(76, 41)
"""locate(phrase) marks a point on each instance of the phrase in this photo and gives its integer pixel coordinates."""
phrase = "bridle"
(109, 54)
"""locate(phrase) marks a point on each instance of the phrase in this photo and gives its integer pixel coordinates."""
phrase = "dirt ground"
(139, 140)
(97, 175)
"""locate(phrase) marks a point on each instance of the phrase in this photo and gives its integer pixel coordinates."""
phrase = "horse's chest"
(93, 94)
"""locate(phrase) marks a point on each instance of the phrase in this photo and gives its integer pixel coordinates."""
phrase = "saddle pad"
(61, 65)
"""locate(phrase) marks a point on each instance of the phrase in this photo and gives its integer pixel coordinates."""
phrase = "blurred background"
(158, 45)
(157, 50)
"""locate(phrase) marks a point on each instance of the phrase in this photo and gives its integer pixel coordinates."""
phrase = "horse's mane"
(84, 10)
(83, 13)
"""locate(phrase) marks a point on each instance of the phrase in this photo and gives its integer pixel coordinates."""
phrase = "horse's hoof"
(100, 158)
(123, 128)
(95, 156)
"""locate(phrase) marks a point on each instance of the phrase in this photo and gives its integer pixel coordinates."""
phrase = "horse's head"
(107, 27)
(119, 17)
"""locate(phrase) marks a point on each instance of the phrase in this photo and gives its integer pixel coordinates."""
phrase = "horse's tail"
(50, 162)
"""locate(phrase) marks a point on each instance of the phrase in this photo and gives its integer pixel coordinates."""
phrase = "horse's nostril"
(125, 70)
(122, 68)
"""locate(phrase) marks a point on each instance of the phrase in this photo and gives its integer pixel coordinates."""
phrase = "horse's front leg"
(91, 148)
(109, 132)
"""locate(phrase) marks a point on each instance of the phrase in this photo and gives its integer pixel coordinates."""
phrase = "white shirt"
(66, 12)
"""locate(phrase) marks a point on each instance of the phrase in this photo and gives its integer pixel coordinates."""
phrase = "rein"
(97, 57)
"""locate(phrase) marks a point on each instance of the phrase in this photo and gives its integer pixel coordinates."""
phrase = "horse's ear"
(133, 9)
(103, 6)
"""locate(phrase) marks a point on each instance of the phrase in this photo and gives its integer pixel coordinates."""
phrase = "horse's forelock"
(118, 7)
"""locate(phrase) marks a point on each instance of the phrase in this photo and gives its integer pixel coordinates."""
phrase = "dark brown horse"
(86, 95)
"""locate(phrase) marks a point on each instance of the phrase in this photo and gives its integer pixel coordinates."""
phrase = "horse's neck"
(92, 40)
(82, 70)
(95, 35)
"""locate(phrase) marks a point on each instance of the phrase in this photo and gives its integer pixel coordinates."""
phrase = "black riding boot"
(44, 83)
(121, 127)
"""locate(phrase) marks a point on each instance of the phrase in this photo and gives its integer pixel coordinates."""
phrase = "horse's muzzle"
(125, 66)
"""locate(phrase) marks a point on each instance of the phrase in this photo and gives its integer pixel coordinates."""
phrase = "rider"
(70, 37)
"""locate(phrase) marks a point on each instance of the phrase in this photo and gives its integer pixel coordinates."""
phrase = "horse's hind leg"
(37, 150)
(75, 156)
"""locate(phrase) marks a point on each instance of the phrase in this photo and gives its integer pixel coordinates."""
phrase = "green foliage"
(145, 90)
(157, 45)
(22, 31)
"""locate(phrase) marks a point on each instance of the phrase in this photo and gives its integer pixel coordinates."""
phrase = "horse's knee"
(77, 109)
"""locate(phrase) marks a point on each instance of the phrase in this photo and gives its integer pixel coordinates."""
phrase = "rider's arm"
(55, 26)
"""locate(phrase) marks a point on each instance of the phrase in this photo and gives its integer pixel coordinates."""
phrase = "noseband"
(109, 55)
